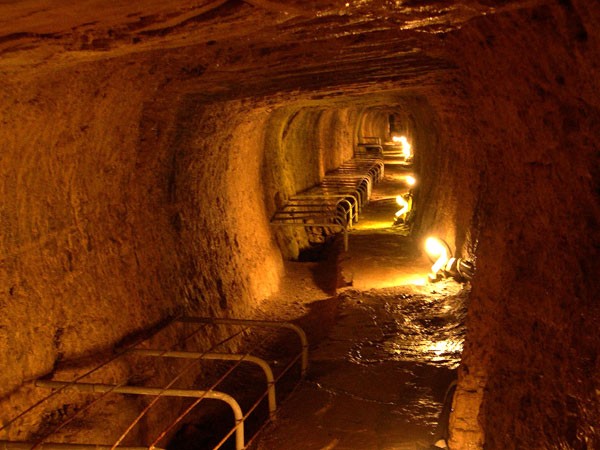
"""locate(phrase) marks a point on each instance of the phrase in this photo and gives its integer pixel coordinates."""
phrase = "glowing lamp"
(403, 206)
(438, 251)
(410, 180)
(434, 247)
(406, 147)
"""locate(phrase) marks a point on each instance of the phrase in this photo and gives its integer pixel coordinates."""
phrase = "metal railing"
(13, 445)
(156, 393)
(220, 357)
(369, 140)
(169, 390)
(261, 324)
(334, 205)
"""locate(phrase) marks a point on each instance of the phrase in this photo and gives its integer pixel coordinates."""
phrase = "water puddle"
(419, 328)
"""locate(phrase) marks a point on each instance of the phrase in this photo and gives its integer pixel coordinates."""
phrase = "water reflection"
(414, 328)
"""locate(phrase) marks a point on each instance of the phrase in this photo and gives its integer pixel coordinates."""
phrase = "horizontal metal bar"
(328, 190)
(348, 184)
(371, 171)
(220, 356)
(370, 168)
(14, 445)
(258, 323)
(346, 197)
(307, 208)
(308, 218)
(305, 217)
(309, 225)
(157, 392)
(341, 181)
(310, 210)
(324, 196)
(307, 201)
(334, 202)
(345, 214)
(112, 358)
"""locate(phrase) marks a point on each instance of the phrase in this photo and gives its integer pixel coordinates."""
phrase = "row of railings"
(334, 205)
(55, 440)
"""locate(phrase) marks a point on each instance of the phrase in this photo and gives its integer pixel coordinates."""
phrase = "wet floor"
(384, 355)
(378, 379)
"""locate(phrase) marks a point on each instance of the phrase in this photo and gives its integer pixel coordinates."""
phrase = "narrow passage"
(384, 348)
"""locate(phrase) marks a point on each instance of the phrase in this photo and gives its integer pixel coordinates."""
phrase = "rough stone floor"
(384, 348)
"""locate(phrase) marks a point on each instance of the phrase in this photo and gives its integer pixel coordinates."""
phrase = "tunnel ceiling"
(233, 48)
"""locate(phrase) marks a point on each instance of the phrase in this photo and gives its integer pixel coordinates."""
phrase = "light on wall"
(438, 251)
(406, 147)
(403, 206)
(445, 265)
(403, 215)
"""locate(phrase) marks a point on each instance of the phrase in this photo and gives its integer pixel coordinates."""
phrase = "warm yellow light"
(403, 206)
(420, 281)
(396, 139)
(410, 180)
(447, 346)
(406, 147)
(435, 249)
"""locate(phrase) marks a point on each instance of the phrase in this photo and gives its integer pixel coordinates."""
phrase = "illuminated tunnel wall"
(138, 183)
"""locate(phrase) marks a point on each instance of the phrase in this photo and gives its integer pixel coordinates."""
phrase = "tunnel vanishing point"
(145, 145)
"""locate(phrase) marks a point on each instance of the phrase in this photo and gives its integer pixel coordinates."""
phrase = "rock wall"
(219, 208)
(83, 219)
(89, 254)
(124, 203)
(517, 151)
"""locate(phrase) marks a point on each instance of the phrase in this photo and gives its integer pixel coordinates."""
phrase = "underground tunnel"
(147, 147)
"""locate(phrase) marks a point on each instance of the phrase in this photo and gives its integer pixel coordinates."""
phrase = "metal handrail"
(257, 323)
(113, 358)
(339, 190)
(359, 179)
(323, 199)
(312, 213)
(348, 183)
(157, 392)
(362, 139)
(373, 168)
(354, 178)
(223, 357)
(22, 445)
(168, 390)
(341, 228)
